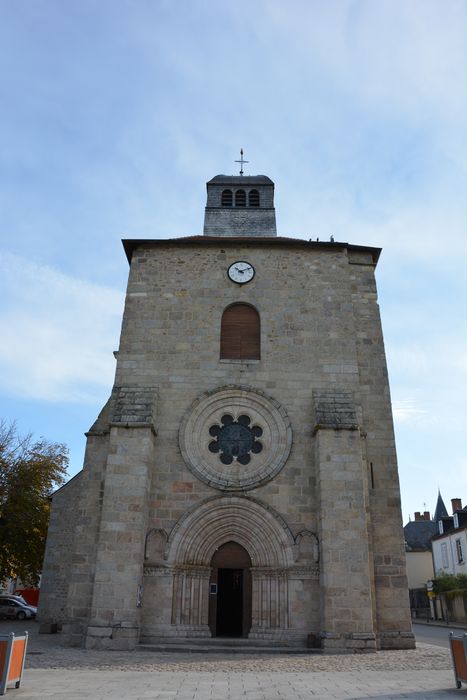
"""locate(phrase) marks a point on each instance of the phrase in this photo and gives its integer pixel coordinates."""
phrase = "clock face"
(241, 272)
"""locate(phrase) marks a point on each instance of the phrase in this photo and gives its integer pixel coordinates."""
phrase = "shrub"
(450, 582)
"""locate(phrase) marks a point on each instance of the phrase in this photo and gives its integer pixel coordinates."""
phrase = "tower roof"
(240, 180)
(440, 510)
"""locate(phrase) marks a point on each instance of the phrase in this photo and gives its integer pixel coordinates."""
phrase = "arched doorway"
(194, 541)
(230, 591)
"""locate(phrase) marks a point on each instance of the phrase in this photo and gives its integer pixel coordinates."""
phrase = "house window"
(226, 199)
(459, 552)
(444, 555)
(253, 198)
(240, 333)
(240, 198)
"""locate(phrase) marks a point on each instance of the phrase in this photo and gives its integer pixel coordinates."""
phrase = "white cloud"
(427, 373)
(58, 333)
(407, 411)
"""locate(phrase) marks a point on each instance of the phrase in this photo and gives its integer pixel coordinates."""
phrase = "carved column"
(190, 601)
(270, 603)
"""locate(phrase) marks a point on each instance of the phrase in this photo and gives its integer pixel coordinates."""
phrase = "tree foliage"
(29, 471)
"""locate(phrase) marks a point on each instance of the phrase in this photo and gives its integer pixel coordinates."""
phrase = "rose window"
(235, 439)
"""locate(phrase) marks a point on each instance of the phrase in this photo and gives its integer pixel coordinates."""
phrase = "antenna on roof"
(241, 161)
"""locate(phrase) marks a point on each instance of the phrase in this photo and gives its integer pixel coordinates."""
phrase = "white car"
(14, 607)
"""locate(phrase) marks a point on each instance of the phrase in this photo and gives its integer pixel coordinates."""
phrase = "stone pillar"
(114, 619)
(347, 621)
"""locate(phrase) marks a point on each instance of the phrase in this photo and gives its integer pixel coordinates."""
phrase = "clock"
(241, 272)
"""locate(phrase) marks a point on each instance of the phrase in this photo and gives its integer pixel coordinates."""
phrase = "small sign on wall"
(213, 589)
(139, 597)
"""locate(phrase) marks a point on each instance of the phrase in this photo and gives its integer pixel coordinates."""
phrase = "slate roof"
(440, 510)
(238, 179)
(418, 534)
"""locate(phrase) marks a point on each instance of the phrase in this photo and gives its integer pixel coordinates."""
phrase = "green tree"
(29, 471)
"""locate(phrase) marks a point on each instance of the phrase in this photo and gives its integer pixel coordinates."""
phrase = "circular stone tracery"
(235, 438)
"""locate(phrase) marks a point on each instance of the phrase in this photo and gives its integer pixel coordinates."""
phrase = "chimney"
(456, 504)
(418, 516)
(426, 515)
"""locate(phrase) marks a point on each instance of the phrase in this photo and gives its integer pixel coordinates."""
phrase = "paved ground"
(432, 633)
(61, 673)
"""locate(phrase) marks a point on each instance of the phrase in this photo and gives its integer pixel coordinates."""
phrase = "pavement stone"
(56, 672)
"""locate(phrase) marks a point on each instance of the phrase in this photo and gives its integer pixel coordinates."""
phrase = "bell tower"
(240, 205)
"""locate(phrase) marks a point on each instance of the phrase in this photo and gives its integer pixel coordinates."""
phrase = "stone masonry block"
(133, 405)
(334, 408)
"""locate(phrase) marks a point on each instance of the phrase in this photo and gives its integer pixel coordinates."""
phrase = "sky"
(115, 113)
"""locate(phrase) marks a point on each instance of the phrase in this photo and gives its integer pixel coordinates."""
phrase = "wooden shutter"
(240, 333)
(240, 198)
(226, 199)
(253, 198)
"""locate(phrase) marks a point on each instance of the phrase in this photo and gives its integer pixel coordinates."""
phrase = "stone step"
(223, 645)
(224, 649)
(216, 641)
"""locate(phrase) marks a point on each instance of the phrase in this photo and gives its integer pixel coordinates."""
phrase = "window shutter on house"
(240, 333)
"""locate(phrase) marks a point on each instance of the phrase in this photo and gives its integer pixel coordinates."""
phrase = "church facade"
(241, 481)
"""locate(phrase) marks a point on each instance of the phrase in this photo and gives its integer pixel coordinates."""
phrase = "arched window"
(240, 333)
(226, 200)
(253, 198)
(240, 198)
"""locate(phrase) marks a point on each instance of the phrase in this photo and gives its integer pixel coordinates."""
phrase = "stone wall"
(59, 553)
(239, 221)
(454, 606)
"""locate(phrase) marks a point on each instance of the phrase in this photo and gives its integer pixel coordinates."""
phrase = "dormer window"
(240, 198)
(456, 520)
(253, 198)
(440, 527)
(227, 198)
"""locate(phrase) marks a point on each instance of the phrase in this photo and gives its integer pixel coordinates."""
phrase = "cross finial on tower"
(241, 161)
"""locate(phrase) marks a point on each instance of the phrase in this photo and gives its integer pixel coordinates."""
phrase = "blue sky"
(114, 115)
